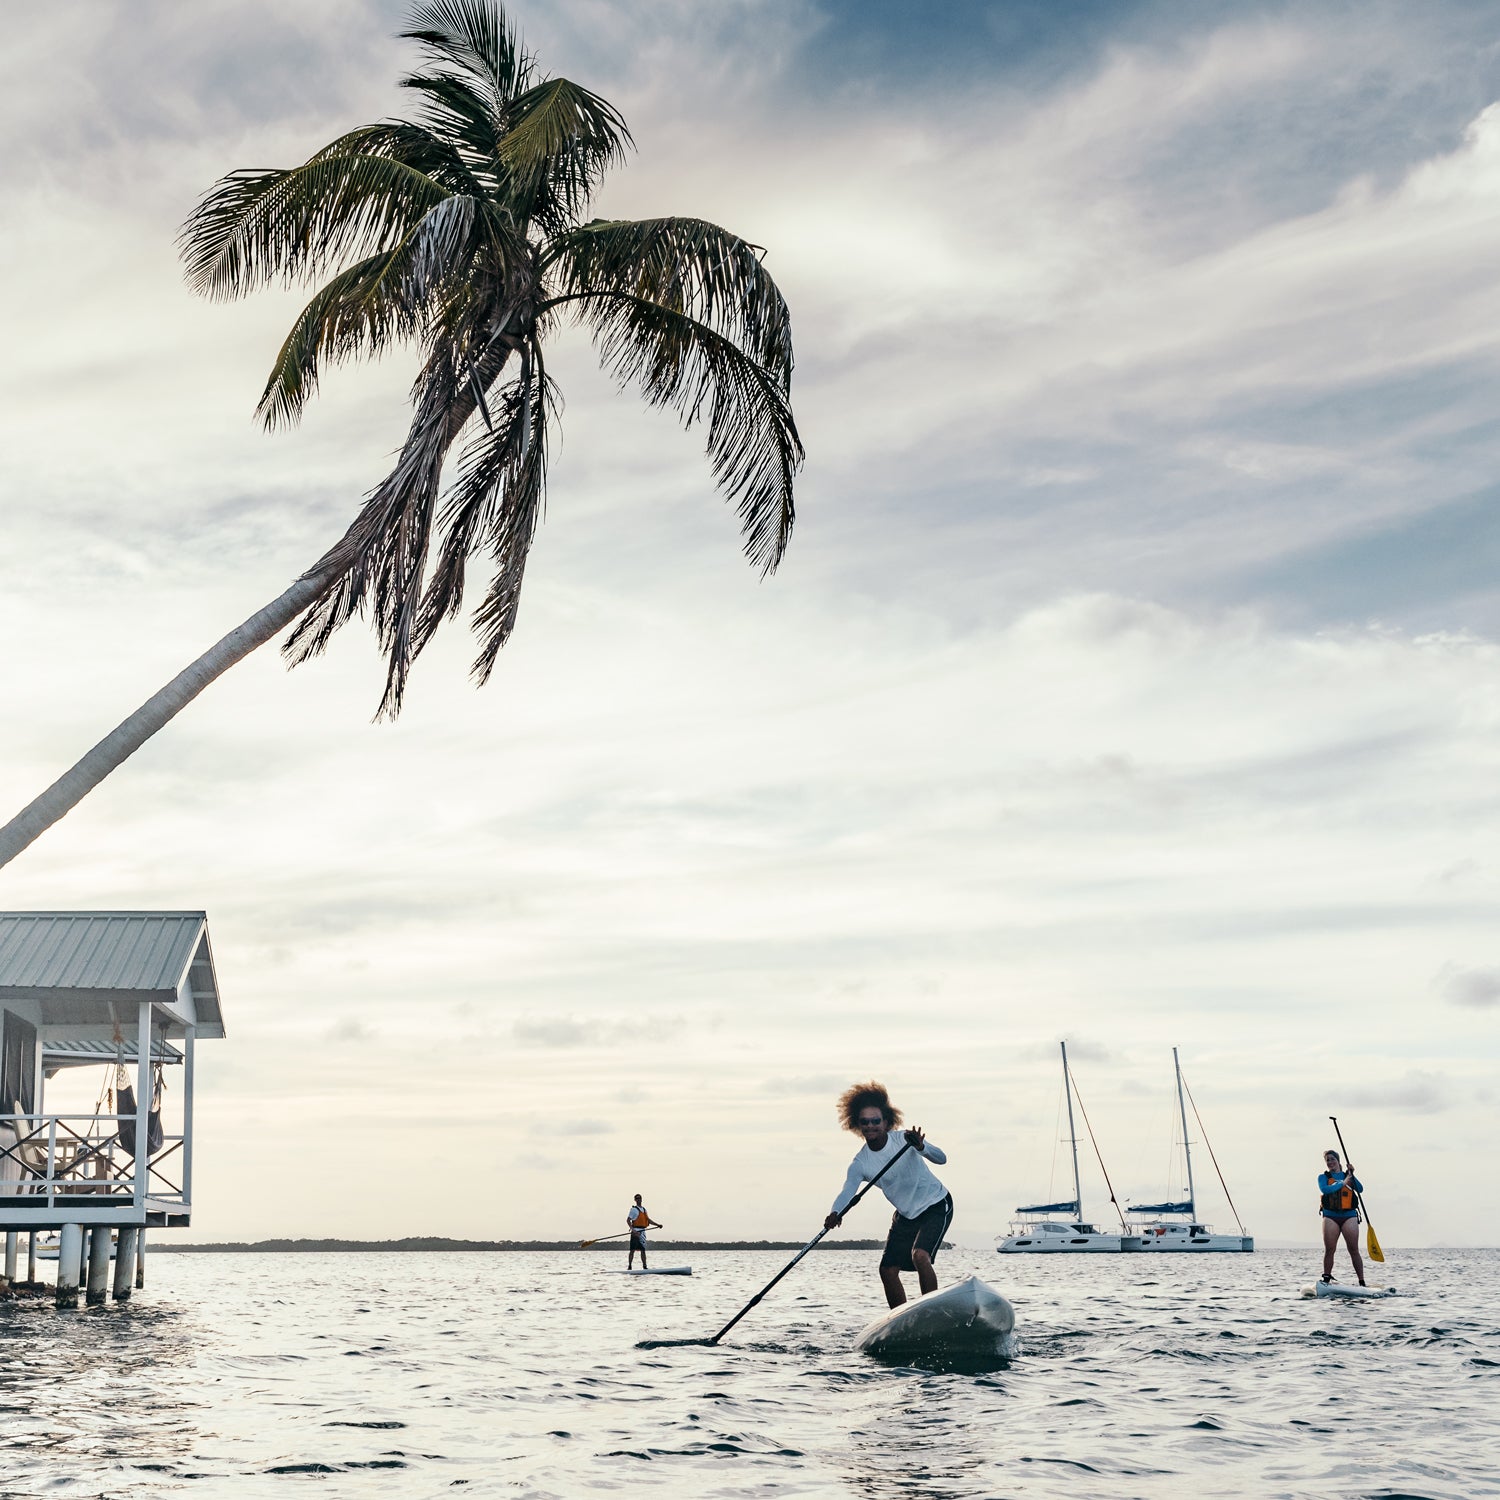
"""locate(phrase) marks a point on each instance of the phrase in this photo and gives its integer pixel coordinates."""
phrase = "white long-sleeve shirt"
(909, 1185)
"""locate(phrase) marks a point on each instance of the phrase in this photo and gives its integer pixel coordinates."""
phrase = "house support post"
(31, 1258)
(69, 1262)
(98, 1265)
(125, 1264)
(12, 1245)
(140, 1260)
(189, 1038)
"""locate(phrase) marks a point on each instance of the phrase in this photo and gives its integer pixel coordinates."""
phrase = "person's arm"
(1325, 1183)
(923, 1147)
(1355, 1183)
(852, 1179)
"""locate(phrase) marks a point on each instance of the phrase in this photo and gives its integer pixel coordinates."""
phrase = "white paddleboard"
(967, 1320)
(654, 1271)
(1338, 1289)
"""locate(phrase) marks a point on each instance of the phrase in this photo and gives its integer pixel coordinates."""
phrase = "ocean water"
(518, 1375)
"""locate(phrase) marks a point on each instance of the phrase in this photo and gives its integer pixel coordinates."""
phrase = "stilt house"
(126, 995)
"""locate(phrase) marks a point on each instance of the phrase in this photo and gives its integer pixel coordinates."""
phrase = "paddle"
(1372, 1245)
(679, 1343)
(584, 1244)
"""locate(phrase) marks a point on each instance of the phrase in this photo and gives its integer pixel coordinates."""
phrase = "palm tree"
(462, 232)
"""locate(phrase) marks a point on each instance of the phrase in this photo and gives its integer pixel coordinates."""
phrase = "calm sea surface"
(518, 1375)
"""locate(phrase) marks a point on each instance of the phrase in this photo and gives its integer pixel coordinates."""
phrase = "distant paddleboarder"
(639, 1221)
(1337, 1189)
(924, 1207)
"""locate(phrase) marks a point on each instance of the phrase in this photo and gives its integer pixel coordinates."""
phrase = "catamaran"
(1174, 1225)
(1050, 1228)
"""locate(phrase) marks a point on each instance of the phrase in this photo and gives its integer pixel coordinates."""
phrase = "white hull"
(654, 1271)
(1165, 1238)
(967, 1320)
(1059, 1239)
(1334, 1289)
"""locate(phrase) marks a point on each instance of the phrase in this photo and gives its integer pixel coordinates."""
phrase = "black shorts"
(925, 1232)
(638, 1240)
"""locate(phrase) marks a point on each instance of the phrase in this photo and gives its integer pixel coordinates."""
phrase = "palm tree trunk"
(71, 788)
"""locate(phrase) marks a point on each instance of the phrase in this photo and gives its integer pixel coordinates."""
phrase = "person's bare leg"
(895, 1293)
(1330, 1244)
(926, 1272)
(1351, 1238)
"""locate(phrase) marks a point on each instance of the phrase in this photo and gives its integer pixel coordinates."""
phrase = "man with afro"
(924, 1207)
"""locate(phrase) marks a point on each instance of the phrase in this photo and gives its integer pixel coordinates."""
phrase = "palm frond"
(454, 110)
(414, 144)
(361, 311)
(379, 563)
(560, 141)
(475, 37)
(255, 225)
(436, 247)
(493, 506)
(376, 302)
(682, 363)
(690, 266)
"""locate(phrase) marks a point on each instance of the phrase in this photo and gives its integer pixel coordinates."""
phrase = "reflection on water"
(520, 1376)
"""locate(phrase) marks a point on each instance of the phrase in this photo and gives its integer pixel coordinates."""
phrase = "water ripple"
(520, 1376)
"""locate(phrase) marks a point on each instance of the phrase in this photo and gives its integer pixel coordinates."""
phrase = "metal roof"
(99, 957)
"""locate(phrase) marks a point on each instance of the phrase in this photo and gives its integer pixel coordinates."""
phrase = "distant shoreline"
(433, 1245)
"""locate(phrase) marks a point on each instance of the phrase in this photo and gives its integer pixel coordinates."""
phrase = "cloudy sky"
(1133, 677)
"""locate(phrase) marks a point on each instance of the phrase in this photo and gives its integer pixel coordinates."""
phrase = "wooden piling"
(12, 1245)
(98, 1265)
(69, 1263)
(125, 1264)
(140, 1260)
(31, 1259)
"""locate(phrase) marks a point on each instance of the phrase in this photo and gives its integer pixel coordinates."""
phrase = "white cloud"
(1415, 1092)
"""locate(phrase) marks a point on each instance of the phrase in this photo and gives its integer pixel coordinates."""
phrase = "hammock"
(125, 1105)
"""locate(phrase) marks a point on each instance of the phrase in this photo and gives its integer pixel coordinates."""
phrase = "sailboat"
(1052, 1228)
(1175, 1226)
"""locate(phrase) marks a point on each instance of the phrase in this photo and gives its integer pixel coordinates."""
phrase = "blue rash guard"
(1330, 1184)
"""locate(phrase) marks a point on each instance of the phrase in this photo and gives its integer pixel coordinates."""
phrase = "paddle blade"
(1372, 1245)
(676, 1343)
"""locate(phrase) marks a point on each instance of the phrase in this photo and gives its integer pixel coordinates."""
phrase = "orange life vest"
(1341, 1199)
(639, 1218)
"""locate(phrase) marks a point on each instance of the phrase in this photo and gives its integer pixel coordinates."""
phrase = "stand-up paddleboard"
(968, 1320)
(1337, 1289)
(654, 1271)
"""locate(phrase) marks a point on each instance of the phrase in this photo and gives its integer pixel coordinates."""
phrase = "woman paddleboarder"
(924, 1207)
(1338, 1188)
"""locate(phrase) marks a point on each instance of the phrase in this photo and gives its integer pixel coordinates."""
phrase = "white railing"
(50, 1161)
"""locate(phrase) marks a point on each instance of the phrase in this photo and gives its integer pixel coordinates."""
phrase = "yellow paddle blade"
(1372, 1246)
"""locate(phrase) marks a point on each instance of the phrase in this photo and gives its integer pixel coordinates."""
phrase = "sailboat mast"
(1187, 1150)
(1072, 1133)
